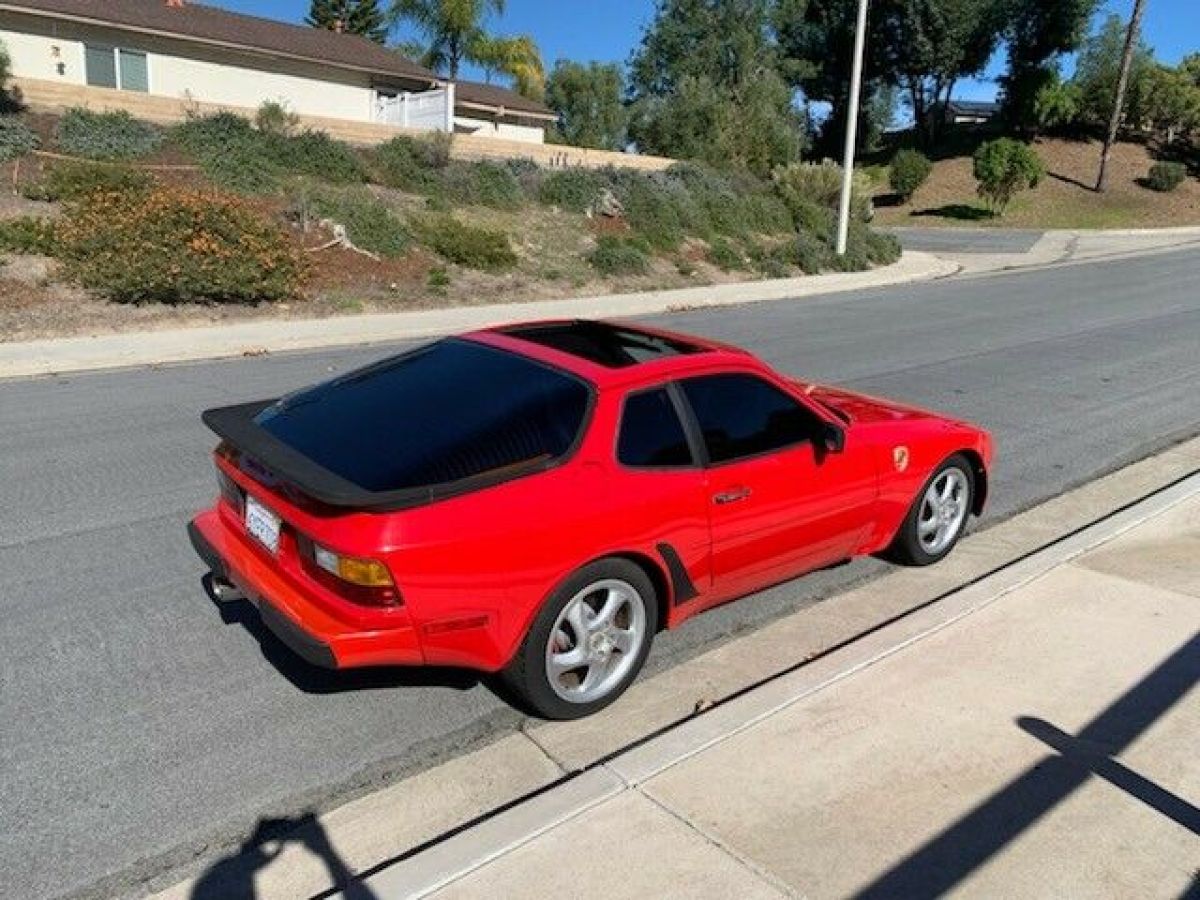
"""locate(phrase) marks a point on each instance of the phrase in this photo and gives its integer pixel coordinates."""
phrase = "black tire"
(906, 548)
(526, 676)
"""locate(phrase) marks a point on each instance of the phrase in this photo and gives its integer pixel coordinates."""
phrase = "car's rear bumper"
(307, 628)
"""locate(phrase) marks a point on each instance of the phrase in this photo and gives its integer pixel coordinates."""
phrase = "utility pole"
(1114, 123)
(860, 39)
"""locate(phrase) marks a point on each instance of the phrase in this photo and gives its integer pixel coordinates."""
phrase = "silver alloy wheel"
(596, 640)
(943, 511)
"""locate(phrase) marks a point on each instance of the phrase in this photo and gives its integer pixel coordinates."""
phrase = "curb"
(467, 851)
(112, 351)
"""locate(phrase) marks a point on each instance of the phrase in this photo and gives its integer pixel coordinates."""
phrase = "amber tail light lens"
(359, 580)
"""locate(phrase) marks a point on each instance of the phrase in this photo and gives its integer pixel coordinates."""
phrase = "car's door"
(781, 502)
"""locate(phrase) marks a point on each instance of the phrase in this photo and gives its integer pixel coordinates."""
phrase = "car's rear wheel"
(938, 517)
(588, 643)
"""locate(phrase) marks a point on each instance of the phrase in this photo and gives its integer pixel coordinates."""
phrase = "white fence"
(433, 110)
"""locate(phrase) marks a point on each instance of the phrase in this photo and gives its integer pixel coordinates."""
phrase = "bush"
(1004, 167)
(467, 245)
(28, 234)
(482, 184)
(177, 245)
(571, 189)
(16, 138)
(1166, 176)
(241, 158)
(723, 255)
(74, 180)
(274, 117)
(369, 223)
(909, 171)
(106, 135)
(821, 183)
(811, 254)
(658, 209)
(617, 256)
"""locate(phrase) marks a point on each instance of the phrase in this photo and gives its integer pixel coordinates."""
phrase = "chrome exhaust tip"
(226, 591)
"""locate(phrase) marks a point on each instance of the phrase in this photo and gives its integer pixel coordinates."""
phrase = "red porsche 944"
(540, 499)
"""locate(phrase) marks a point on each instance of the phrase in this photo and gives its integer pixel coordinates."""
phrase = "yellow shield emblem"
(900, 458)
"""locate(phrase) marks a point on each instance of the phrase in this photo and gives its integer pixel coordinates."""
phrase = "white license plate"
(263, 524)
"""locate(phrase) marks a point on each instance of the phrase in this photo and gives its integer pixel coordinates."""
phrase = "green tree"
(928, 45)
(1004, 167)
(587, 99)
(1171, 102)
(352, 16)
(1099, 67)
(1056, 104)
(1036, 34)
(816, 45)
(705, 84)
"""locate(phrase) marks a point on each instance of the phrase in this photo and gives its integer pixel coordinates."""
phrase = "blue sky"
(609, 29)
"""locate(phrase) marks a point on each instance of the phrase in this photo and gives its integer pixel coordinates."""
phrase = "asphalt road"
(140, 729)
(967, 240)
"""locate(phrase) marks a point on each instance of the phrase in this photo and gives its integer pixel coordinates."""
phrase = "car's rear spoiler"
(269, 460)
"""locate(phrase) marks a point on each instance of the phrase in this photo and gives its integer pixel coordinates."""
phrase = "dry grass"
(1065, 199)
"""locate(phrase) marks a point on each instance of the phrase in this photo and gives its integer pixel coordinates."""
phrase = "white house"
(65, 51)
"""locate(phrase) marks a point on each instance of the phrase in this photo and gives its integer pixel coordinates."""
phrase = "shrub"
(368, 222)
(28, 234)
(240, 158)
(438, 278)
(811, 254)
(723, 255)
(106, 135)
(657, 209)
(821, 183)
(467, 245)
(482, 184)
(274, 117)
(909, 171)
(73, 180)
(571, 189)
(177, 245)
(1166, 176)
(1004, 167)
(616, 256)
(407, 164)
(16, 138)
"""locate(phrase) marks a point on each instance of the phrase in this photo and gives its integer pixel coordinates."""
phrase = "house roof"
(215, 26)
(208, 24)
(974, 107)
(494, 97)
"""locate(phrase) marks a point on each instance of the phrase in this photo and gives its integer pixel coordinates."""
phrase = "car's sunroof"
(614, 346)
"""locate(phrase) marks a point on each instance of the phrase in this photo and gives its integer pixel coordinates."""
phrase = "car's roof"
(579, 347)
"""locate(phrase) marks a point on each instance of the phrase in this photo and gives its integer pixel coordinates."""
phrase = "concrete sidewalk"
(1033, 735)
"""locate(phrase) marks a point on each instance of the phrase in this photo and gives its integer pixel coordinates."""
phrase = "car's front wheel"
(938, 517)
(588, 643)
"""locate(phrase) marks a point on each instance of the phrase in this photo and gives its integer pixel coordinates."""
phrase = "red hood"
(862, 407)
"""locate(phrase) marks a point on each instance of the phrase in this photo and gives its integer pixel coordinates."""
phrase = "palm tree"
(452, 28)
(518, 57)
(454, 33)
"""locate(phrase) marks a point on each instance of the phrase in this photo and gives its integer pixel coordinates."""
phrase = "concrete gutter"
(109, 351)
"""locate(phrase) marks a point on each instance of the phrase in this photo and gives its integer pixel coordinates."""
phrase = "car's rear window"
(450, 411)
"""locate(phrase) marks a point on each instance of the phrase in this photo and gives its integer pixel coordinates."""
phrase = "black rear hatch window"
(452, 411)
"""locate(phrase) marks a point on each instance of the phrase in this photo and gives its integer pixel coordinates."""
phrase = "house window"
(116, 67)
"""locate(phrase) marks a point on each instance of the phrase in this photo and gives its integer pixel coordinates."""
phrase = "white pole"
(860, 35)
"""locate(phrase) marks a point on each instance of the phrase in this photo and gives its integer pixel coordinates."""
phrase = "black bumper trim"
(299, 641)
(205, 551)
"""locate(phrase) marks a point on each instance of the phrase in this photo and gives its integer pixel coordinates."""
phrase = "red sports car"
(540, 499)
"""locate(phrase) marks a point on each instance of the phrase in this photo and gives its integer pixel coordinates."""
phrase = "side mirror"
(833, 437)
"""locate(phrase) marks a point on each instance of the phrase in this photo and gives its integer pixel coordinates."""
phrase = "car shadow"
(316, 680)
(232, 876)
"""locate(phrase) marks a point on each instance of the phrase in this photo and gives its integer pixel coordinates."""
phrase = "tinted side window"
(651, 433)
(741, 415)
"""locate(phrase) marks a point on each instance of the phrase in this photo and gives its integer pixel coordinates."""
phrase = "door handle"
(731, 496)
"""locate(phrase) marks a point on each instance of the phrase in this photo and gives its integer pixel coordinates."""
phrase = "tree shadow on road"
(232, 876)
